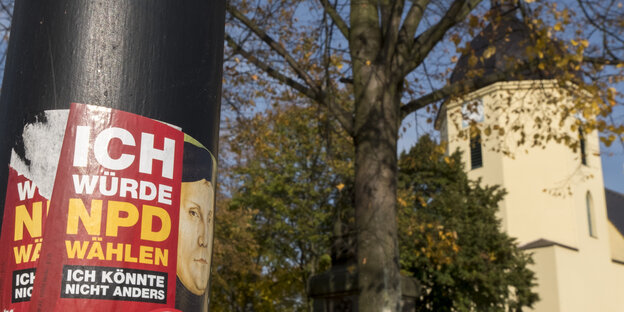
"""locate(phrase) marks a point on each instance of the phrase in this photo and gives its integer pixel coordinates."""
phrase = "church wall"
(547, 187)
(532, 176)
(536, 209)
(617, 243)
(545, 269)
(618, 275)
(586, 281)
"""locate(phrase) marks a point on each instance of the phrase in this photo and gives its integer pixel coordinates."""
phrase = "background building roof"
(510, 37)
(615, 209)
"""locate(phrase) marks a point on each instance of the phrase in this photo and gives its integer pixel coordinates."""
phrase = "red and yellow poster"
(125, 223)
(111, 237)
(25, 212)
(34, 158)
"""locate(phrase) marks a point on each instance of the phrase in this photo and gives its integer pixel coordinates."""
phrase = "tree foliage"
(369, 64)
(235, 274)
(290, 178)
(451, 238)
(296, 184)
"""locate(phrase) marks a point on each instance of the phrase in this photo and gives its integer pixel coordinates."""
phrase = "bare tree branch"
(465, 86)
(603, 61)
(340, 23)
(344, 118)
(600, 24)
(425, 42)
(391, 21)
(237, 49)
(275, 46)
(405, 42)
(412, 20)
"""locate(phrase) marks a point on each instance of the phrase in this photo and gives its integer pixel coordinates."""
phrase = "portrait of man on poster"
(195, 233)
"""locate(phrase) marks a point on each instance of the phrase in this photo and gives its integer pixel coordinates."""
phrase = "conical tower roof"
(510, 37)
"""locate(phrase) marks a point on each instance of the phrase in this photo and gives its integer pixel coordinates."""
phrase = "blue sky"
(613, 167)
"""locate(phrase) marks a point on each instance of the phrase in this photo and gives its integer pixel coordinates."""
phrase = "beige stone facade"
(555, 205)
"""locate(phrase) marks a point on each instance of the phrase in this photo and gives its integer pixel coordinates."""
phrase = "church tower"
(512, 134)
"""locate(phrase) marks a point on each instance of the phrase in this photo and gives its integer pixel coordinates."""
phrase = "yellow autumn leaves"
(440, 245)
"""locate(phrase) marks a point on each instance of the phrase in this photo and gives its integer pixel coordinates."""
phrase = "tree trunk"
(377, 123)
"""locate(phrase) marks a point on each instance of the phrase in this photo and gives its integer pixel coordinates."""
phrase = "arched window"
(591, 219)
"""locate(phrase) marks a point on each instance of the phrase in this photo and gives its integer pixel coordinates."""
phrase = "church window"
(476, 155)
(582, 147)
(591, 219)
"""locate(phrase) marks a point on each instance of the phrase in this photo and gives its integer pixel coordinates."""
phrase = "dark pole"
(161, 59)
